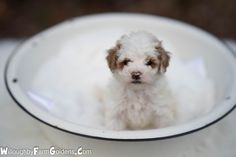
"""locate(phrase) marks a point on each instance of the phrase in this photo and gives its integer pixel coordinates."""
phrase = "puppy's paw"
(115, 124)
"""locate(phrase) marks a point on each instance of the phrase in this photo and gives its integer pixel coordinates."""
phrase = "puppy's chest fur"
(141, 108)
(138, 108)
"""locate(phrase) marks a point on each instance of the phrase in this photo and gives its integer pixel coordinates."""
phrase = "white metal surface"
(19, 130)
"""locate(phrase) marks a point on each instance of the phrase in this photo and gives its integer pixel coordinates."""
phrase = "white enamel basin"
(186, 40)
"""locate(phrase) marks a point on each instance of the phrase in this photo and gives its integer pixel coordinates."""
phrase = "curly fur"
(139, 96)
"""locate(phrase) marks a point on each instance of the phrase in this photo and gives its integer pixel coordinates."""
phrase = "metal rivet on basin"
(14, 80)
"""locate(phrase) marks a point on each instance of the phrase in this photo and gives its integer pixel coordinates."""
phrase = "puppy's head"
(138, 58)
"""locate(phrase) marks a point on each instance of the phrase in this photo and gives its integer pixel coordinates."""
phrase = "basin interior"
(73, 57)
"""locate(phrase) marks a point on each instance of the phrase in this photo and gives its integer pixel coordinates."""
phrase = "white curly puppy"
(139, 97)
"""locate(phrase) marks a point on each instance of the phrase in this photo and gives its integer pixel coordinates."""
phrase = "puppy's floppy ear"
(112, 56)
(163, 57)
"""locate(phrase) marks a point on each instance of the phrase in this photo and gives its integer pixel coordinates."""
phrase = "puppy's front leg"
(114, 119)
(165, 116)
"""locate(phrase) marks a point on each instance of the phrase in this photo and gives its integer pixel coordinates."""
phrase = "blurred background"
(23, 18)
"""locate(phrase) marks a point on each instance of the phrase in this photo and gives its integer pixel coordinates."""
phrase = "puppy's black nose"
(136, 75)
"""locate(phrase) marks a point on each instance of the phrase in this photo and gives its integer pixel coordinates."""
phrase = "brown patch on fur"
(121, 64)
(163, 58)
(112, 57)
(152, 61)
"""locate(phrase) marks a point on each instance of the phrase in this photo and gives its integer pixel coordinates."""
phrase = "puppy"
(138, 94)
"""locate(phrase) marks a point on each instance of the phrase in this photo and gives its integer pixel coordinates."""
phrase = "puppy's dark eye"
(149, 63)
(126, 61)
